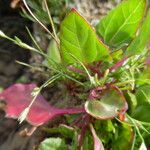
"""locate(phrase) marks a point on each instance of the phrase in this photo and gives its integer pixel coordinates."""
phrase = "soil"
(12, 135)
(94, 10)
(13, 24)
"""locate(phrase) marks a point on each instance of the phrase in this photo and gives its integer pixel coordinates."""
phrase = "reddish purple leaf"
(147, 62)
(98, 145)
(18, 97)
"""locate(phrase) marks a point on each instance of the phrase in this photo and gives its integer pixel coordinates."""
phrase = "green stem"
(51, 20)
(124, 83)
(44, 27)
(34, 41)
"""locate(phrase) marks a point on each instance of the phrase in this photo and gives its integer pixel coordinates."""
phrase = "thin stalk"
(76, 70)
(44, 27)
(125, 88)
(18, 42)
(28, 65)
(51, 20)
(134, 139)
(124, 83)
(118, 64)
(132, 76)
(24, 45)
(137, 129)
(138, 123)
(25, 112)
(34, 41)
(67, 76)
(89, 76)
(105, 76)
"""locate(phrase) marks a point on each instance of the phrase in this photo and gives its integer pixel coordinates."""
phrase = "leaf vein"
(125, 22)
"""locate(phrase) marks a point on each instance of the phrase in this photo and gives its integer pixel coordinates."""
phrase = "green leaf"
(139, 43)
(144, 77)
(88, 141)
(74, 144)
(132, 101)
(103, 127)
(141, 113)
(120, 25)
(53, 144)
(143, 104)
(67, 132)
(78, 38)
(143, 95)
(111, 104)
(53, 52)
(124, 138)
(64, 130)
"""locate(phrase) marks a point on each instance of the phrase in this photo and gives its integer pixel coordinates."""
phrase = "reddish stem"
(94, 93)
(76, 70)
(85, 125)
(68, 111)
(118, 64)
(78, 120)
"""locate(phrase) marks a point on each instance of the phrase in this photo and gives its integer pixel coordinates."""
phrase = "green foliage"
(56, 7)
(143, 104)
(53, 52)
(144, 78)
(109, 105)
(132, 101)
(120, 25)
(53, 144)
(67, 132)
(103, 127)
(138, 44)
(88, 141)
(64, 130)
(123, 138)
(78, 38)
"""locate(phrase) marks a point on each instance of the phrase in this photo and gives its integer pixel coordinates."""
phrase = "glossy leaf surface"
(111, 104)
(139, 43)
(79, 39)
(120, 25)
(53, 144)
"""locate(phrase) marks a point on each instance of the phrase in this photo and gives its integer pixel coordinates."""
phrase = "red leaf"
(98, 145)
(18, 97)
